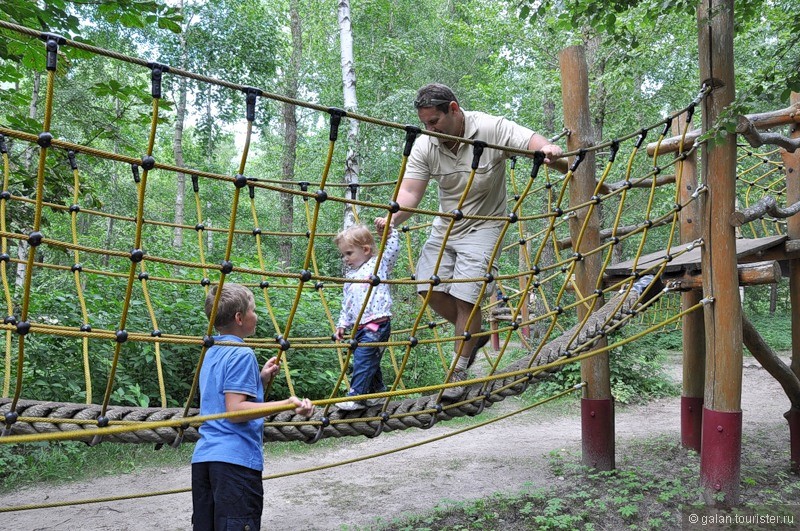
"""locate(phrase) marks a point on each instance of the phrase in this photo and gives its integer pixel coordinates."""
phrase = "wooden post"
(693, 330)
(721, 448)
(597, 406)
(791, 162)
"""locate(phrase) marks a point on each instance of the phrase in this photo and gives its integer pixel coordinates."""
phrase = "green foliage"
(774, 330)
(637, 369)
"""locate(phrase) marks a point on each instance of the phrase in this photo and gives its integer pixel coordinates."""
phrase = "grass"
(654, 486)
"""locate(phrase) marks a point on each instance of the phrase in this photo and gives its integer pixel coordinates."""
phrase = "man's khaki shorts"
(465, 256)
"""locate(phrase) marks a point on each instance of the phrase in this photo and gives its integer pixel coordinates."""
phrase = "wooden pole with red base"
(720, 453)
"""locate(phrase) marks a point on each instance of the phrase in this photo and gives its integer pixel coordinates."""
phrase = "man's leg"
(458, 313)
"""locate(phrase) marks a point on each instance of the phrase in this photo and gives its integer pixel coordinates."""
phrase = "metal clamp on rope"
(52, 42)
(156, 70)
(336, 120)
(477, 151)
(412, 132)
(252, 94)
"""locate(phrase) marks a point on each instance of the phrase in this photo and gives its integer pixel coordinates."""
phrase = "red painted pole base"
(720, 457)
(691, 422)
(793, 418)
(597, 429)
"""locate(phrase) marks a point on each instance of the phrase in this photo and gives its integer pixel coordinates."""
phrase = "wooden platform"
(747, 250)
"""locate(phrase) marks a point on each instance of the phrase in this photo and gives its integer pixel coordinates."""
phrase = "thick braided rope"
(400, 415)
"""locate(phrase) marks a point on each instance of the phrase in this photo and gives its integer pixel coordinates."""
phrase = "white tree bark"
(351, 169)
(177, 142)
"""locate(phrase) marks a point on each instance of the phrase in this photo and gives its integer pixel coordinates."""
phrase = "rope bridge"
(535, 252)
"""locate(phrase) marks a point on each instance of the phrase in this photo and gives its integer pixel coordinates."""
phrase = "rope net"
(93, 283)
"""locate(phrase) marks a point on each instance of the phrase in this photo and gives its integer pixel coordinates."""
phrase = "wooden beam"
(766, 120)
(755, 274)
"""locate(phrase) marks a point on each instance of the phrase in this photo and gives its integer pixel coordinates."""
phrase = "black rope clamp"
(336, 120)
(578, 159)
(252, 190)
(252, 94)
(690, 112)
(9, 419)
(412, 132)
(3, 147)
(614, 147)
(195, 183)
(513, 162)
(52, 42)
(640, 138)
(667, 125)
(304, 188)
(135, 171)
(477, 151)
(72, 163)
(538, 160)
(353, 190)
(156, 70)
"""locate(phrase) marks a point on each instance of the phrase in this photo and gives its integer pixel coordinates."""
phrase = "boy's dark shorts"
(226, 497)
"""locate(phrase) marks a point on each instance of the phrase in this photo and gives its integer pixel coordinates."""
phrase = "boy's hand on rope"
(303, 407)
(339, 335)
(270, 369)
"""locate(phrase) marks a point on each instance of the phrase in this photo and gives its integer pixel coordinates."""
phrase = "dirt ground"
(503, 456)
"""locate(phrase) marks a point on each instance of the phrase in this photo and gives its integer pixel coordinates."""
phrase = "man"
(469, 247)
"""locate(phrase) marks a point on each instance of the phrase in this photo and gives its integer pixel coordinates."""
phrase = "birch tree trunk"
(22, 246)
(289, 156)
(177, 142)
(351, 169)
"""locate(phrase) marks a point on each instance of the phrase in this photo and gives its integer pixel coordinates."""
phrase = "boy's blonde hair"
(234, 298)
(356, 235)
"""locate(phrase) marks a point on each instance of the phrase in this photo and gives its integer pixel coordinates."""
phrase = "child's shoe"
(352, 405)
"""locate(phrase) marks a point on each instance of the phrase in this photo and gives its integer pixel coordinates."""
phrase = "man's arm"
(551, 152)
(410, 195)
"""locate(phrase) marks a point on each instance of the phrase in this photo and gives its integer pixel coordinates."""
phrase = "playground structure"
(578, 319)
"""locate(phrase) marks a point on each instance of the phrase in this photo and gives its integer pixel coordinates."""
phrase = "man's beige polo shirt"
(429, 159)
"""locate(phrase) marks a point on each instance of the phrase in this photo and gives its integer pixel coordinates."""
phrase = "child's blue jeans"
(367, 377)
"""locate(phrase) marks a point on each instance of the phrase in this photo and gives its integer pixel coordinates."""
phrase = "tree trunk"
(177, 144)
(290, 134)
(22, 246)
(351, 169)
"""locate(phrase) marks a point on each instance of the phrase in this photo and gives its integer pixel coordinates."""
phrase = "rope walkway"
(539, 220)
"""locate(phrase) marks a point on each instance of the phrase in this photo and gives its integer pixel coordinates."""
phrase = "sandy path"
(502, 456)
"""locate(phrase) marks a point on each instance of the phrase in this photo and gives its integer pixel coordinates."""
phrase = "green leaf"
(165, 23)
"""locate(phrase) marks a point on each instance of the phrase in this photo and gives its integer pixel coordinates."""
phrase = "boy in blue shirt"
(227, 491)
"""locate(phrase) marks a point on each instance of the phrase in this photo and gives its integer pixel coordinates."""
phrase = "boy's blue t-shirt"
(229, 369)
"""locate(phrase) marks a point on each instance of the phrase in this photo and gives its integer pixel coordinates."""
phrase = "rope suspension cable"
(502, 380)
(76, 270)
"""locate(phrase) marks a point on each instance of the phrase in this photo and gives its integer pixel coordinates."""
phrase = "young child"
(227, 491)
(358, 252)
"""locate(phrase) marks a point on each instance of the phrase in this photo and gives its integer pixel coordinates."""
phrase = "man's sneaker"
(375, 402)
(480, 341)
(454, 393)
(352, 405)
